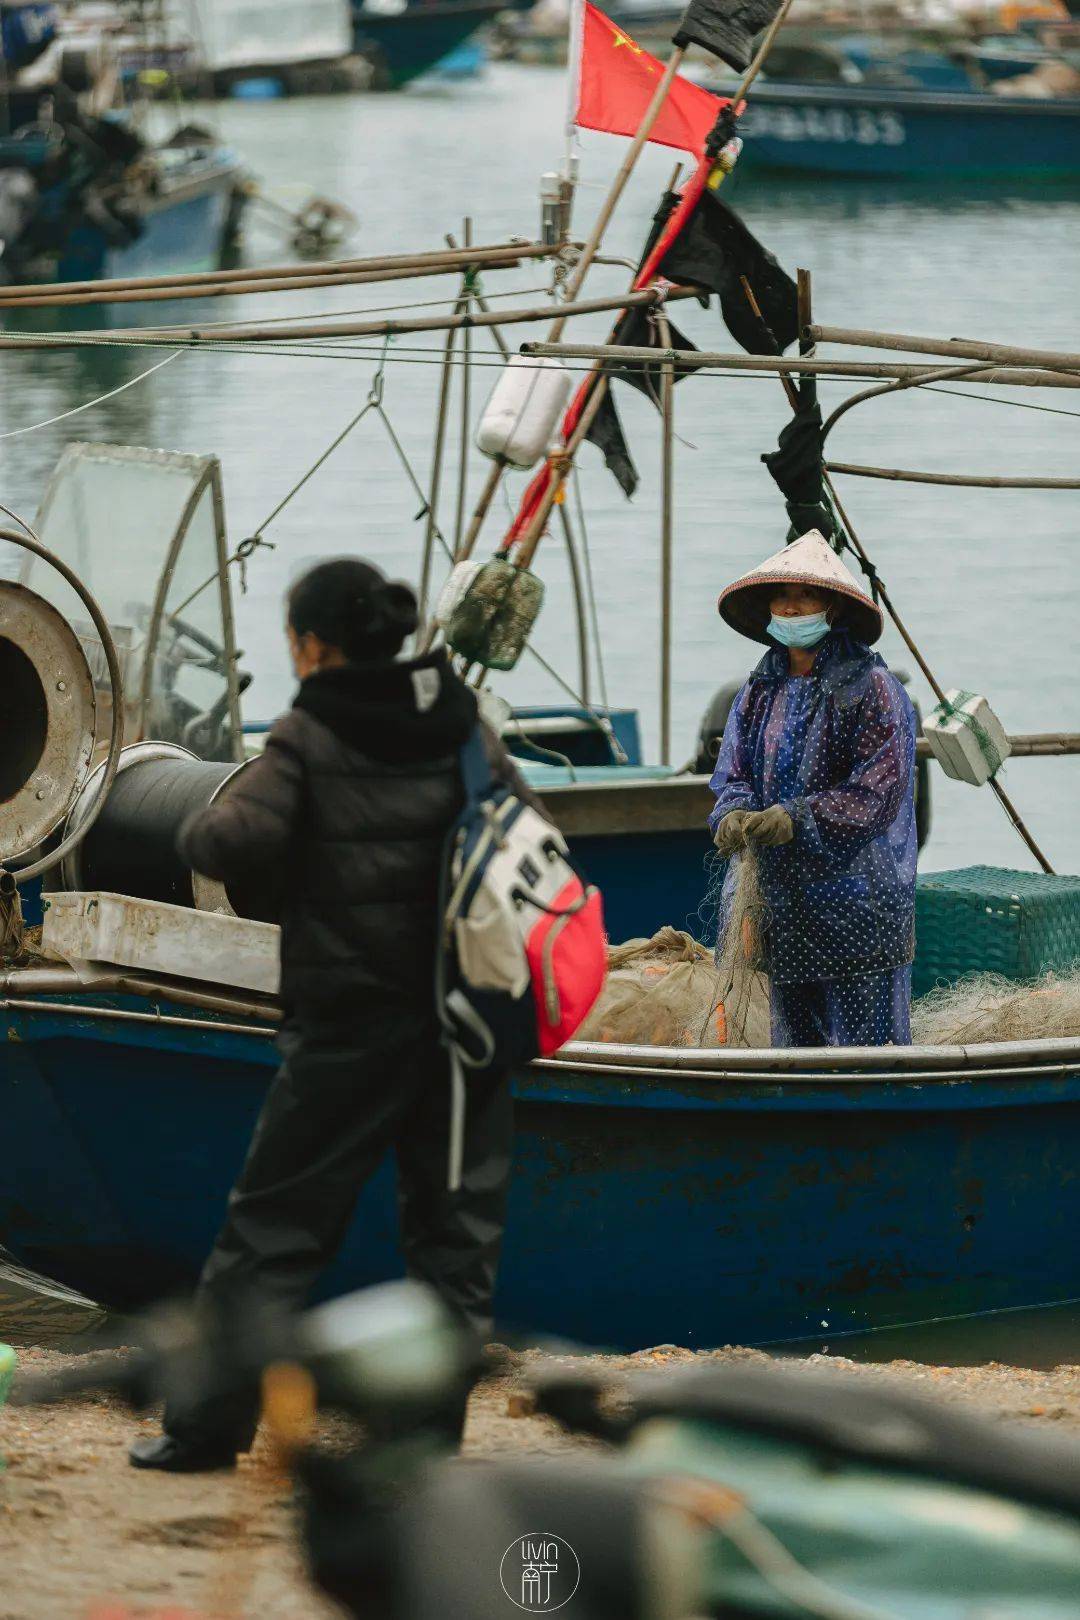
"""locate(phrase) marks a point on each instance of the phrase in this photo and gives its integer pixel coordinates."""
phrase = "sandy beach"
(81, 1534)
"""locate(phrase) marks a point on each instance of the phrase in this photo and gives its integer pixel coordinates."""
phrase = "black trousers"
(338, 1103)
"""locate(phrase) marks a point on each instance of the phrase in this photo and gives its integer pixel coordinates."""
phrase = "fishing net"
(987, 1007)
(740, 956)
(663, 991)
(671, 990)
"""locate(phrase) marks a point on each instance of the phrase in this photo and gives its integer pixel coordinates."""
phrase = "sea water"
(985, 579)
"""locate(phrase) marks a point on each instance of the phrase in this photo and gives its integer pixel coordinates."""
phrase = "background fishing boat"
(297, 46)
(866, 131)
(403, 39)
(87, 189)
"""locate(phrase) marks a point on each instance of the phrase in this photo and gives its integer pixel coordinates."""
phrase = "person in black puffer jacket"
(344, 819)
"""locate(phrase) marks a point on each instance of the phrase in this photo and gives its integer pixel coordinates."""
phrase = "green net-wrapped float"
(490, 623)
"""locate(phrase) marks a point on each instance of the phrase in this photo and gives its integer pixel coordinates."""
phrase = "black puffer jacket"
(343, 820)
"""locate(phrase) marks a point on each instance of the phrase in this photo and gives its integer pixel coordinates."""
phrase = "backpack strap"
(477, 776)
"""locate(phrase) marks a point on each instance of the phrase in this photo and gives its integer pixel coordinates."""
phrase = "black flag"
(714, 249)
(606, 432)
(726, 27)
(637, 331)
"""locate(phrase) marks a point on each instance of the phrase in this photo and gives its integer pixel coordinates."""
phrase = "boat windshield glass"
(144, 532)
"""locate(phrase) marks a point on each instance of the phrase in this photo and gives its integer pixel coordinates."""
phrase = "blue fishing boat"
(174, 207)
(868, 131)
(660, 1193)
(84, 193)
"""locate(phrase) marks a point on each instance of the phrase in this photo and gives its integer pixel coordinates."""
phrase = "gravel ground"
(83, 1536)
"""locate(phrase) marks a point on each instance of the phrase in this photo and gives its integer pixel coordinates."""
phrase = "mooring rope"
(89, 404)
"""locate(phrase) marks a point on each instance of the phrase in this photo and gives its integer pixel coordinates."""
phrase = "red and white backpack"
(524, 951)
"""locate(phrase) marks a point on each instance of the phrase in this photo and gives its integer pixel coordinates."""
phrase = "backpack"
(523, 953)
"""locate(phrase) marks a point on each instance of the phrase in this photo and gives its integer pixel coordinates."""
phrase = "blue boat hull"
(189, 230)
(646, 1207)
(844, 130)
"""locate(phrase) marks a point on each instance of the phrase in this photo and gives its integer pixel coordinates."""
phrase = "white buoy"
(966, 738)
(521, 418)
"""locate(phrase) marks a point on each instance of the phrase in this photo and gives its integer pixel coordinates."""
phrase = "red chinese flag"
(617, 82)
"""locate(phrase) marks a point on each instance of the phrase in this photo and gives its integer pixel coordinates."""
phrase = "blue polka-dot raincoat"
(836, 748)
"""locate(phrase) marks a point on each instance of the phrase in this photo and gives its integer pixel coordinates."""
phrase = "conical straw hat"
(809, 560)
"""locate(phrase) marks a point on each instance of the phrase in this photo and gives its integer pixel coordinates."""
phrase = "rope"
(100, 400)
(994, 399)
(373, 402)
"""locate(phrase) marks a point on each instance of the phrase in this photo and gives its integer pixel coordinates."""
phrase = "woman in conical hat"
(816, 776)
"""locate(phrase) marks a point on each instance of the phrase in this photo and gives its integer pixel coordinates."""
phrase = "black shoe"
(178, 1456)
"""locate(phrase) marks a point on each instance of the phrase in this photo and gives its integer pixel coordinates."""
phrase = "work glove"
(768, 827)
(728, 836)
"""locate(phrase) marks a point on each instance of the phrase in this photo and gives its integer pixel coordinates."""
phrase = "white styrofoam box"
(159, 938)
(956, 744)
(455, 585)
(522, 415)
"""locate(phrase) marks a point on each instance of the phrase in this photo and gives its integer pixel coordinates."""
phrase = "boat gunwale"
(838, 1062)
(169, 190)
(775, 91)
(835, 1066)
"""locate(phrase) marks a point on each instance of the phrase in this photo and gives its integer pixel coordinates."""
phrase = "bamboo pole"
(294, 283)
(707, 360)
(466, 404)
(464, 545)
(577, 587)
(576, 281)
(441, 415)
(958, 348)
(297, 331)
(597, 385)
(434, 262)
(560, 473)
(1027, 745)
(963, 480)
(482, 304)
(480, 511)
(667, 495)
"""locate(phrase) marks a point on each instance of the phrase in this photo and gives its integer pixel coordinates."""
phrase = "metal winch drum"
(106, 816)
(48, 718)
(131, 848)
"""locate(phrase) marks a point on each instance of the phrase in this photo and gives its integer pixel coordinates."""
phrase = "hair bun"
(397, 605)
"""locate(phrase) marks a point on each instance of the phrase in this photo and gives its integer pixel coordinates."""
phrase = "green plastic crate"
(985, 919)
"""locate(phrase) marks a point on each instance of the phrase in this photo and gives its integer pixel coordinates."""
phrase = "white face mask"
(799, 630)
